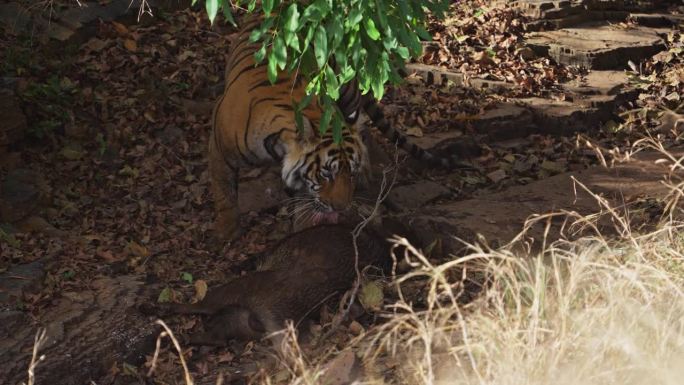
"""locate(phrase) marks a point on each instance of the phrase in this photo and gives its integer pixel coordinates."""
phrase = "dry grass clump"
(589, 311)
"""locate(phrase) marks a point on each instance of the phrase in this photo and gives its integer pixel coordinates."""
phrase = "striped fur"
(254, 124)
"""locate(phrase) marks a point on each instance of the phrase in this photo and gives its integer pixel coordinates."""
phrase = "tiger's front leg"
(224, 187)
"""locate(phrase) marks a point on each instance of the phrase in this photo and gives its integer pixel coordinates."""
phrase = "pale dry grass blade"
(38, 342)
(167, 332)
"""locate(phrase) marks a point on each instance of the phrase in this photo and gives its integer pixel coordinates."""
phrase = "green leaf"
(390, 43)
(187, 277)
(316, 11)
(354, 18)
(260, 54)
(309, 35)
(371, 295)
(372, 32)
(422, 33)
(228, 14)
(165, 295)
(280, 52)
(331, 85)
(251, 6)
(212, 9)
(382, 13)
(304, 102)
(292, 18)
(336, 29)
(347, 74)
(321, 46)
(272, 70)
(291, 26)
(299, 120)
(337, 128)
(403, 52)
(267, 6)
(325, 119)
(255, 35)
(68, 274)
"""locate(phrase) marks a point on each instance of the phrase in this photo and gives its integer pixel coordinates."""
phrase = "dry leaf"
(414, 131)
(96, 45)
(483, 58)
(355, 328)
(200, 290)
(226, 357)
(496, 176)
(552, 167)
(131, 45)
(340, 370)
(137, 250)
(120, 28)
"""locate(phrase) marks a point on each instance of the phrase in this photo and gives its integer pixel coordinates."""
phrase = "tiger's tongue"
(331, 218)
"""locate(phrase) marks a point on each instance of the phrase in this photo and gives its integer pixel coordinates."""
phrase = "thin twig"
(385, 189)
(168, 332)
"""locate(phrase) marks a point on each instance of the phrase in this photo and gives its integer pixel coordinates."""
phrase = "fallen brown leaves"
(487, 43)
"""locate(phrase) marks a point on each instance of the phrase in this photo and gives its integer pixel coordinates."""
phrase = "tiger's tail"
(370, 105)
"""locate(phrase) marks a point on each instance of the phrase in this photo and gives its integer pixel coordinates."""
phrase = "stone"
(416, 195)
(505, 121)
(10, 321)
(611, 50)
(431, 74)
(600, 82)
(21, 279)
(434, 139)
(557, 117)
(656, 20)
(499, 217)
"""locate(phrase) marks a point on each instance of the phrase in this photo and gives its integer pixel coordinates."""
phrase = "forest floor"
(107, 176)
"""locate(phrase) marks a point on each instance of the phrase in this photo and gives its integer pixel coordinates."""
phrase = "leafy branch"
(332, 42)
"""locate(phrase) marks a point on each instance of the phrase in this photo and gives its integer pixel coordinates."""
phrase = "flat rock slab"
(431, 74)
(88, 333)
(556, 117)
(545, 9)
(522, 117)
(600, 83)
(656, 20)
(19, 280)
(499, 217)
(597, 46)
(413, 196)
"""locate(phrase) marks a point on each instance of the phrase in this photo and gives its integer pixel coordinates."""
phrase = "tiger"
(254, 124)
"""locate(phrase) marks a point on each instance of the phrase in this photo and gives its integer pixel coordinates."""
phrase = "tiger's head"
(325, 171)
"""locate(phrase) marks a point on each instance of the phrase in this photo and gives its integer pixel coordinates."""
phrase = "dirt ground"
(105, 200)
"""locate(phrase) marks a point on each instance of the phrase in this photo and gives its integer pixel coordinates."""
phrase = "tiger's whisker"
(301, 208)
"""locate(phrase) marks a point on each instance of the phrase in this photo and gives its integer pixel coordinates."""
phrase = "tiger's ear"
(306, 132)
